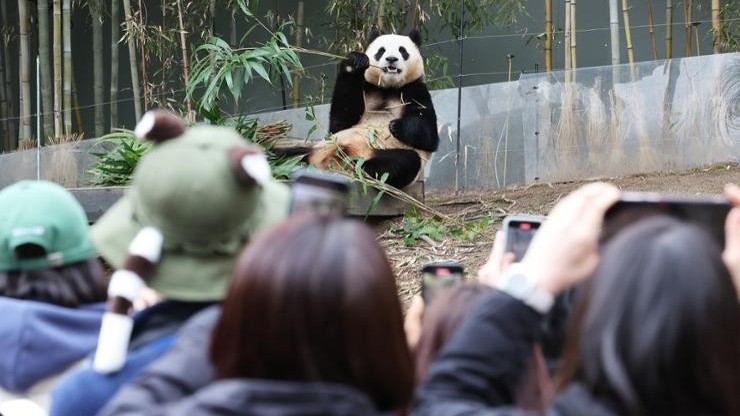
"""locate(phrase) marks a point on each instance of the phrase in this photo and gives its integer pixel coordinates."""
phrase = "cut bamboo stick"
(548, 35)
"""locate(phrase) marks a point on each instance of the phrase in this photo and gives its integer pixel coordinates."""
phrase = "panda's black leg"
(402, 166)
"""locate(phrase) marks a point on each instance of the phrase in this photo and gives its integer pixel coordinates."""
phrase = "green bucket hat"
(186, 188)
(45, 215)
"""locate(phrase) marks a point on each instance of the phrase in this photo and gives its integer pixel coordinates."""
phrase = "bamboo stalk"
(651, 29)
(296, 92)
(58, 81)
(135, 87)
(548, 35)
(696, 33)
(96, 14)
(67, 63)
(7, 82)
(687, 7)
(381, 15)
(185, 66)
(716, 27)
(566, 35)
(45, 69)
(614, 31)
(573, 64)
(3, 103)
(628, 36)
(26, 132)
(146, 91)
(668, 29)
(115, 34)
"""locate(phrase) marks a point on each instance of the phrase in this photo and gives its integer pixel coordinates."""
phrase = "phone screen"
(438, 276)
(518, 234)
(708, 212)
(319, 192)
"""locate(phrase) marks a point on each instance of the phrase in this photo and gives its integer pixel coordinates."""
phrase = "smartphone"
(519, 229)
(708, 211)
(439, 275)
(319, 191)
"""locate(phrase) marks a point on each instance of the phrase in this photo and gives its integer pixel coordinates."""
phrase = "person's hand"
(491, 272)
(564, 252)
(147, 297)
(731, 253)
(412, 323)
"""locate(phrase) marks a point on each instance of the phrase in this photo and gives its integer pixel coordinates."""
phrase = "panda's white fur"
(386, 73)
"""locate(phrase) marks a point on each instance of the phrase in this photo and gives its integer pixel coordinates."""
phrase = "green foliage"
(114, 168)
(219, 67)
(415, 227)
(729, 39)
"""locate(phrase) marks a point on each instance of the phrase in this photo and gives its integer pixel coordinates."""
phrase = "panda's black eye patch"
(404, 53)
(379, 54)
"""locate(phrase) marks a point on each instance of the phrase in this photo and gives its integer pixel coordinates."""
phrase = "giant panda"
(381, 111)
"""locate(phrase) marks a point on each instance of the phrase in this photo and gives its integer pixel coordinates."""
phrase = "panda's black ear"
(374, 33)
(415, 36)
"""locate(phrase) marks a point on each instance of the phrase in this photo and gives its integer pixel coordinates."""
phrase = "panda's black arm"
(418, 125)
(347, 102)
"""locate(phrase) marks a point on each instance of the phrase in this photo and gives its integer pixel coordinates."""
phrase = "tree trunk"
(296, 93)
(45, 69)
(115, 34)
(67, 59)
(185, 66)
(716, 27)
(614, 30)
(548, 34)
(26, 132)
(58, 90)
(96, 13)
(628, 36)
(651, 29)
(135, 87)
(668, 29)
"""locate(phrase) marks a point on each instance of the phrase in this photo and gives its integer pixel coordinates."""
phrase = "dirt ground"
(532, 199)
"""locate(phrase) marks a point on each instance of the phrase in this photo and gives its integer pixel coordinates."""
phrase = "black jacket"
(182, 382)
(478, 370)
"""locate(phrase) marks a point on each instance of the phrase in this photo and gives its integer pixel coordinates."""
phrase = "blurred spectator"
(51, 287)
(311, 325)
(657, 330)
(200, 189)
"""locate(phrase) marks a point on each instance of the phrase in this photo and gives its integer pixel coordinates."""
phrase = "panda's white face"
(395, 61)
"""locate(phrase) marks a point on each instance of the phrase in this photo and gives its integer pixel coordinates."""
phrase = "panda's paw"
(396, 128)
(357, 61)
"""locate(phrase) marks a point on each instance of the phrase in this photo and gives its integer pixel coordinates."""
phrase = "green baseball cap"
(186, 188)
(47, 216)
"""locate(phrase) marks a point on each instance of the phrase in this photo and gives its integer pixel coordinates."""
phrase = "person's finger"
(412, 323)
(732, 192)
(731, 252)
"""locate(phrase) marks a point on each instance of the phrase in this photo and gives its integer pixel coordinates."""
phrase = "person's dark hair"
(441, 318)
(659, 329)
(71, 285)
(314, 299)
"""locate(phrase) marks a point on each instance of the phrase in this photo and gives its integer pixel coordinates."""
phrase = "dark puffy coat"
(478, 370)
(182, 383)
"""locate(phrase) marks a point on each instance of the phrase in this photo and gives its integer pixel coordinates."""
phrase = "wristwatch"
(518, 282)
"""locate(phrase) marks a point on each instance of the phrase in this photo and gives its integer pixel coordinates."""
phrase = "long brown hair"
(314, 299)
